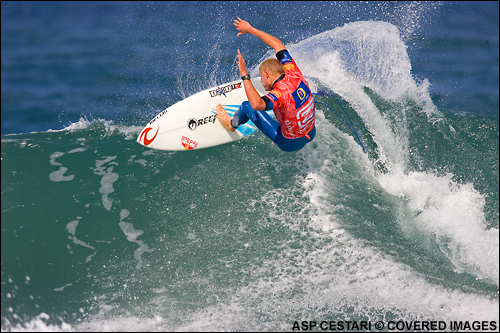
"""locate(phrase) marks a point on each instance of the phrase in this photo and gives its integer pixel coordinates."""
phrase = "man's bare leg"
(224, 118)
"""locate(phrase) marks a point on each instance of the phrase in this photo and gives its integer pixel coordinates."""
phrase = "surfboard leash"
(351, 126)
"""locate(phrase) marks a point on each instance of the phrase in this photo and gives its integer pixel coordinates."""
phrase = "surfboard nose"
(147, 137)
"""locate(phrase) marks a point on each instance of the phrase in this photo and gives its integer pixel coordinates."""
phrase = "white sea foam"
(58, 176)
(132, 234)
(107, 180)
(39, 324)
(71, 227)
(130, 132)
(453, 215)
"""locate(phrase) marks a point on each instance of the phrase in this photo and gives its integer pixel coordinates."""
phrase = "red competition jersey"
(292, 100)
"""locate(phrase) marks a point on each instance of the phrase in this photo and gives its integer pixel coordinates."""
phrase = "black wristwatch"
(246, 77)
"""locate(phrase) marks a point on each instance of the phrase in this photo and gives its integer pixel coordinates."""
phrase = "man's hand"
(241, 64)
(242, 26)
(246, 28)
(253, 95)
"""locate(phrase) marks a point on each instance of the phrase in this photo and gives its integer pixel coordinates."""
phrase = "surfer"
(289, 97)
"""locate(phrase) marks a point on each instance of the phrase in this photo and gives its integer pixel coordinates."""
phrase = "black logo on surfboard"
(194, 123)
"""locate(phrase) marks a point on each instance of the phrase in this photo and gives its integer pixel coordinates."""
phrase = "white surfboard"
(193, 124)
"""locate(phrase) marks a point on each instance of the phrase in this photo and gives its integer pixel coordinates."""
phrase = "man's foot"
(224, 118)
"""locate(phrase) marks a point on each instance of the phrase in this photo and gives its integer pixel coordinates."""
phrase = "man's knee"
(246, 105)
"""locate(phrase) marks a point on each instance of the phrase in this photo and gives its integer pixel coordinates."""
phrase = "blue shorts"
(270, 127)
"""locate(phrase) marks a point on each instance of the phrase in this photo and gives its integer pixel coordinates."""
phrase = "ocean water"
(99, 233)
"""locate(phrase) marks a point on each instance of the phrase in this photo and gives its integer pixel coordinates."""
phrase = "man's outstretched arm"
(244, 27)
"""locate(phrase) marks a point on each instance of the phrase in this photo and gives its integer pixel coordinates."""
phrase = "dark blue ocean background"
(99, 233)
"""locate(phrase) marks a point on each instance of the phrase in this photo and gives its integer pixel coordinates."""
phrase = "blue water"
(100, 233)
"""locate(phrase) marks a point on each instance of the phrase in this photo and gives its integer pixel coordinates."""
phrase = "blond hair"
(273, 66)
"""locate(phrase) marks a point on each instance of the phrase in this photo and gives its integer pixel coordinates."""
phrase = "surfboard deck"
(192, 123)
